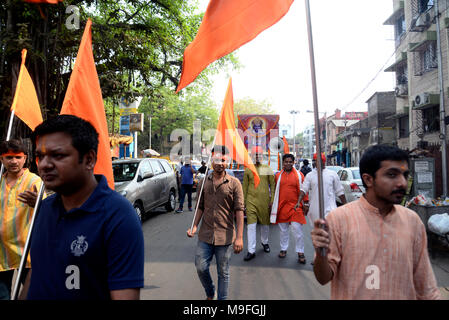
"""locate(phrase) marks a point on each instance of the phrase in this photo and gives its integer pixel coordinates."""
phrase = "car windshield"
(356, 173)
(125, 171)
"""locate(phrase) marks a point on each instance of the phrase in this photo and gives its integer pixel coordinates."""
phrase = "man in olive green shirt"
(258, 202)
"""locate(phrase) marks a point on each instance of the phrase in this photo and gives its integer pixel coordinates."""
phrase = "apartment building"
(417, 76)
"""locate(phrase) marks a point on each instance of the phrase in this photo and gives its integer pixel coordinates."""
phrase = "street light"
(294, 112)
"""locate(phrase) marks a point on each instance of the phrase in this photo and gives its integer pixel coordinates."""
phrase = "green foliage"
(137, 44)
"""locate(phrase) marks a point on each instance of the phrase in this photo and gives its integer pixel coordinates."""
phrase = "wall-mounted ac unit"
(424, 19)
(422, 99)
(401, 90)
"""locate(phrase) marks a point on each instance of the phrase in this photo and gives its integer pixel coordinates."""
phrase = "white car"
(352, 183)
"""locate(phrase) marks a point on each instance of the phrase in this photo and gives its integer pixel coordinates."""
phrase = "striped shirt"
(379, 258)
(15, 218)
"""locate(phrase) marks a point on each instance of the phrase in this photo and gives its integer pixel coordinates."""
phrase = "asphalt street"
(170, 272)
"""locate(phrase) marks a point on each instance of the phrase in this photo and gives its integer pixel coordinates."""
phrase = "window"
(424, 5)
(431, 119)
(166, 166)
(402, 74)
(404, 127)
(157, 168)
(426, 58)
(399, 29)
(144, 168)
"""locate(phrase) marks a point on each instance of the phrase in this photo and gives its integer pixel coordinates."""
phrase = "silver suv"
(147, 183)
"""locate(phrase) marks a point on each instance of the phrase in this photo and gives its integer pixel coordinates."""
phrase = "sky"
(351, 46)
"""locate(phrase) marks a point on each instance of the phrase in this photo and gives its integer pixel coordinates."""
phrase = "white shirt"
(331, 187)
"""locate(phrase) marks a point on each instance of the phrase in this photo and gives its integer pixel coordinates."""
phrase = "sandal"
(282, 254)
(301, 258)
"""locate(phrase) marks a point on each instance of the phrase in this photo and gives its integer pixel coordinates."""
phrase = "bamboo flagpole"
(26, 248)
(202, 184)
(316, 113)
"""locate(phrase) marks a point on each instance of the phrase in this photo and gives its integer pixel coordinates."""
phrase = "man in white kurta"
(331, 187)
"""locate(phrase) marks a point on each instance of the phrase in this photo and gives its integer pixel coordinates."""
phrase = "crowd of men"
(371, 248)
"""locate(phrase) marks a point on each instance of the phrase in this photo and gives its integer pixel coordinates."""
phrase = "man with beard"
(219, 205)
(375, 248)
(258, 202)
(18, 192)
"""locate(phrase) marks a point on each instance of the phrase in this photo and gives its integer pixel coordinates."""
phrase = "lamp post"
(294, 113)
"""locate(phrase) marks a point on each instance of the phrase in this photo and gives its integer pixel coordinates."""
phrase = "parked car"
(335, 168)
(352, 183)
(147, 183)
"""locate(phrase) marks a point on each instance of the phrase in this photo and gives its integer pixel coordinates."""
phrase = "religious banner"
(258, 129)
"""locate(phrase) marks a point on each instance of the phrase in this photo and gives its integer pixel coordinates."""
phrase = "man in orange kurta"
(288, 192)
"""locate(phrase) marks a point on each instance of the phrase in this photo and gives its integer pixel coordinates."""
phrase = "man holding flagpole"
(219, 205)
(18, 191)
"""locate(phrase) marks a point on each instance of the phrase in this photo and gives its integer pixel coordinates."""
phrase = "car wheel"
(171, 204)
(139, 211)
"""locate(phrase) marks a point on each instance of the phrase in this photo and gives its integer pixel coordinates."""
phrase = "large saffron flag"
(25, 103)
(226, 26)
(228, 136)
(84, 99)
(286, 148)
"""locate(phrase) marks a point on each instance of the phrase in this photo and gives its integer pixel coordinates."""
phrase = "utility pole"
(149, 135)
(442, 111)
(294, 113)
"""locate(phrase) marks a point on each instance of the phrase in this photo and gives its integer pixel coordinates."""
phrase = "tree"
(250, 106)
(138, 48)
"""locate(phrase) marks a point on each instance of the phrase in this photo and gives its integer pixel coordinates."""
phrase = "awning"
(420, 46)
(399, 63)
(404, 113)
(396, 14)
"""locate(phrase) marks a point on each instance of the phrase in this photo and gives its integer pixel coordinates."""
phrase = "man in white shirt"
(331, 187)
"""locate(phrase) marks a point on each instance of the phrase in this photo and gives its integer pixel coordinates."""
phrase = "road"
(170, 272)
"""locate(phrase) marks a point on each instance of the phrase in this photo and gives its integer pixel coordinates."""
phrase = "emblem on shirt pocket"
(79, 246)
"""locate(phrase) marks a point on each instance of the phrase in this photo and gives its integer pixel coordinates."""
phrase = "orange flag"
(228, 136)
(226, 26)
(83, 99)
(25, 103)
(286, 148)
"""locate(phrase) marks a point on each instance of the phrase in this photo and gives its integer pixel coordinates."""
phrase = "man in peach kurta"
(289, 180)
(376, 249)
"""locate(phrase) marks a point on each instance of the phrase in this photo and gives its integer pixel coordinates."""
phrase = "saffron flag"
(286, 148)
(228, 136)
(226, 26)
(83, 99)
(25, 104)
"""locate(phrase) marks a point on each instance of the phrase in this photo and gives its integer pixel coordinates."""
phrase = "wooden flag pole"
(315, 111)
(26, 248)
(204, 181)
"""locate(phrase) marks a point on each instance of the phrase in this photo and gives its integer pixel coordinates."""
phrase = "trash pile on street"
(422, 200)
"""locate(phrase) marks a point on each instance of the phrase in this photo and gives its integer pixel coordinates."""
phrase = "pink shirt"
(379, 258)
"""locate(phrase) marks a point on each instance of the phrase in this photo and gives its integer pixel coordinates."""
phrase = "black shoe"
(266, 247)
(249, 256)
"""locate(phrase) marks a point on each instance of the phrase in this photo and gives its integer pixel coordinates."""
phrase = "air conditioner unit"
(401, 90)
(424, 20)
(422, 99)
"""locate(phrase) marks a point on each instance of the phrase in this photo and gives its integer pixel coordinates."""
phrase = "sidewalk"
(440, 264)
